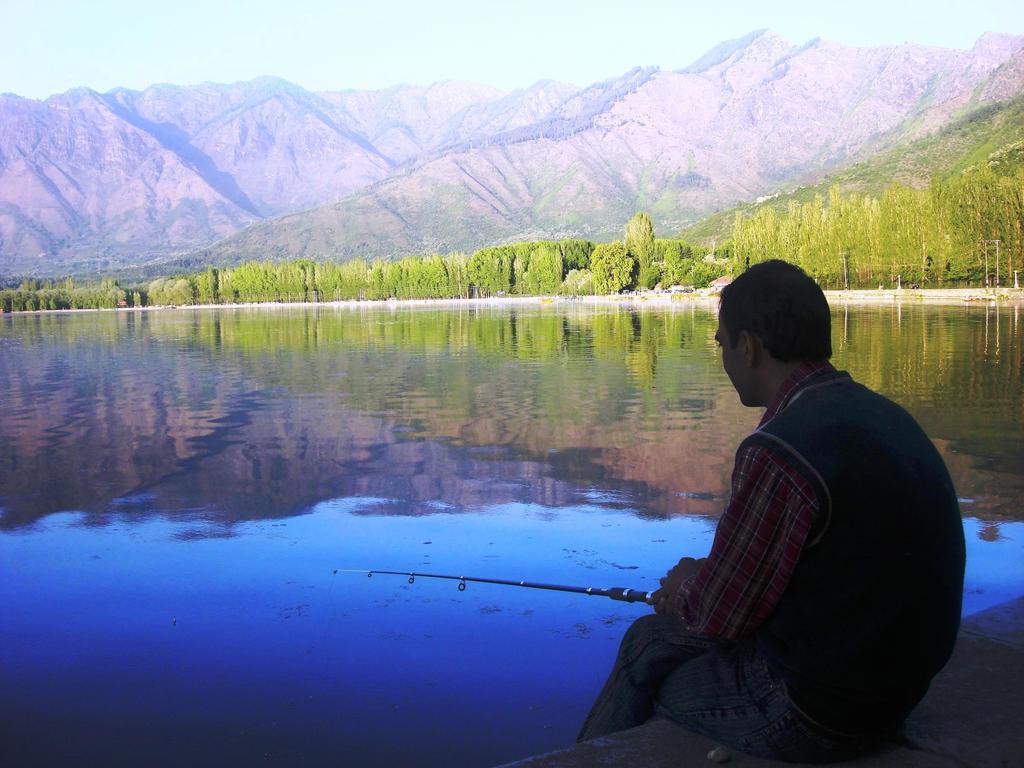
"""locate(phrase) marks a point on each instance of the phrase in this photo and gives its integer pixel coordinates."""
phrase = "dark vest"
(873, 608)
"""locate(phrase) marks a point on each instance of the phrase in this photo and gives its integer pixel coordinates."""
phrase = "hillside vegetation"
(990, 134)
(964, 227)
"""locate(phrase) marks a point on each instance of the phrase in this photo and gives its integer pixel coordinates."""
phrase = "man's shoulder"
(839, 398)
(832, 415)
(841, 427)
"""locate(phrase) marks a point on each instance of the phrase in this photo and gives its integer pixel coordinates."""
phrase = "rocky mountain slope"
(116, 178)
(91, 180)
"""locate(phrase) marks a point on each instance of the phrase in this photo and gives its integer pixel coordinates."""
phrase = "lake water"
(179, 488)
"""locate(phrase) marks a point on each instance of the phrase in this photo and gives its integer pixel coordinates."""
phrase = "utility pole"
(987, 243)
(984, 244)
(846, 273)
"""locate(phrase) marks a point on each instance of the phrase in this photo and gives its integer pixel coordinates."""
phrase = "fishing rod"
(623, 594)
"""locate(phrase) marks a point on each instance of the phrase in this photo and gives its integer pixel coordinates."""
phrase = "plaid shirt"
(759, 538)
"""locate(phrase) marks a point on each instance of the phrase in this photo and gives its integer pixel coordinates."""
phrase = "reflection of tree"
(642, 358)
(989, 531)
(264, 413)
(934, 360)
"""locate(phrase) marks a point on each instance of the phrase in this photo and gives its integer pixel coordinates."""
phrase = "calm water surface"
(178, 488)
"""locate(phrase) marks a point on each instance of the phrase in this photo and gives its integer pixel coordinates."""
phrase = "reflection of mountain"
(243, 414)
(263, 414)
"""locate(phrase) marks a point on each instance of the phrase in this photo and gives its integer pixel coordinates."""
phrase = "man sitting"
(832, 592)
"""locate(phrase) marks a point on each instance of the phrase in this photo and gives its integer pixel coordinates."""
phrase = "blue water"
(181, 495)
(141, 644)
(250, 647)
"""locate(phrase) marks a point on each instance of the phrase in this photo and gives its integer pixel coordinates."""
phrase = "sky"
(50, 47)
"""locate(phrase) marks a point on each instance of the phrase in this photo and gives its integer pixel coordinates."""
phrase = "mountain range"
(265, 169)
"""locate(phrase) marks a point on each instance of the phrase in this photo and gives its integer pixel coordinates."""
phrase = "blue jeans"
(720, 690)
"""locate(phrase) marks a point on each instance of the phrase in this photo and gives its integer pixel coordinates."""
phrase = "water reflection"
(249, 414)
(261, 414)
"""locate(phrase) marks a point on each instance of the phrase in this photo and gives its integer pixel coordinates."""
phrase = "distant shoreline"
(702, 298)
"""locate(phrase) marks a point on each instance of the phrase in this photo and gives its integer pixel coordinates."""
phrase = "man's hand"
(670, 583)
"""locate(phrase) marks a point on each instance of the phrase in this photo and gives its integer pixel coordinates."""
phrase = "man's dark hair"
(781, 305)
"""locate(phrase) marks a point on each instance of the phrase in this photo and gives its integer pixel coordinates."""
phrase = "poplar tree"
(639, 244)
(612, 267)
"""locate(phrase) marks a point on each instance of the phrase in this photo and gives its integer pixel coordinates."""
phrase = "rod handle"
(627, 595)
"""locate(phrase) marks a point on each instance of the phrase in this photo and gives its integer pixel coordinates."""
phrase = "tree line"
(32, 295)
(965, 230)
(538, 268)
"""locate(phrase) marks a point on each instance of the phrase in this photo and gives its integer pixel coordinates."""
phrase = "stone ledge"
(970, 717)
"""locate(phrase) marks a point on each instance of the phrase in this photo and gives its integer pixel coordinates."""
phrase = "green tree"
(208, 286)
(544, 275)
(490, 270)
(639, 244)
(457, 268)
(520, 266)
(612, 266)
(677, 258)
(576, 254)
(579, 282)
(703, 272)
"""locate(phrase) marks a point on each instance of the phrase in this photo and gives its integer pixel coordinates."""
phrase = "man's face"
(734, 361)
